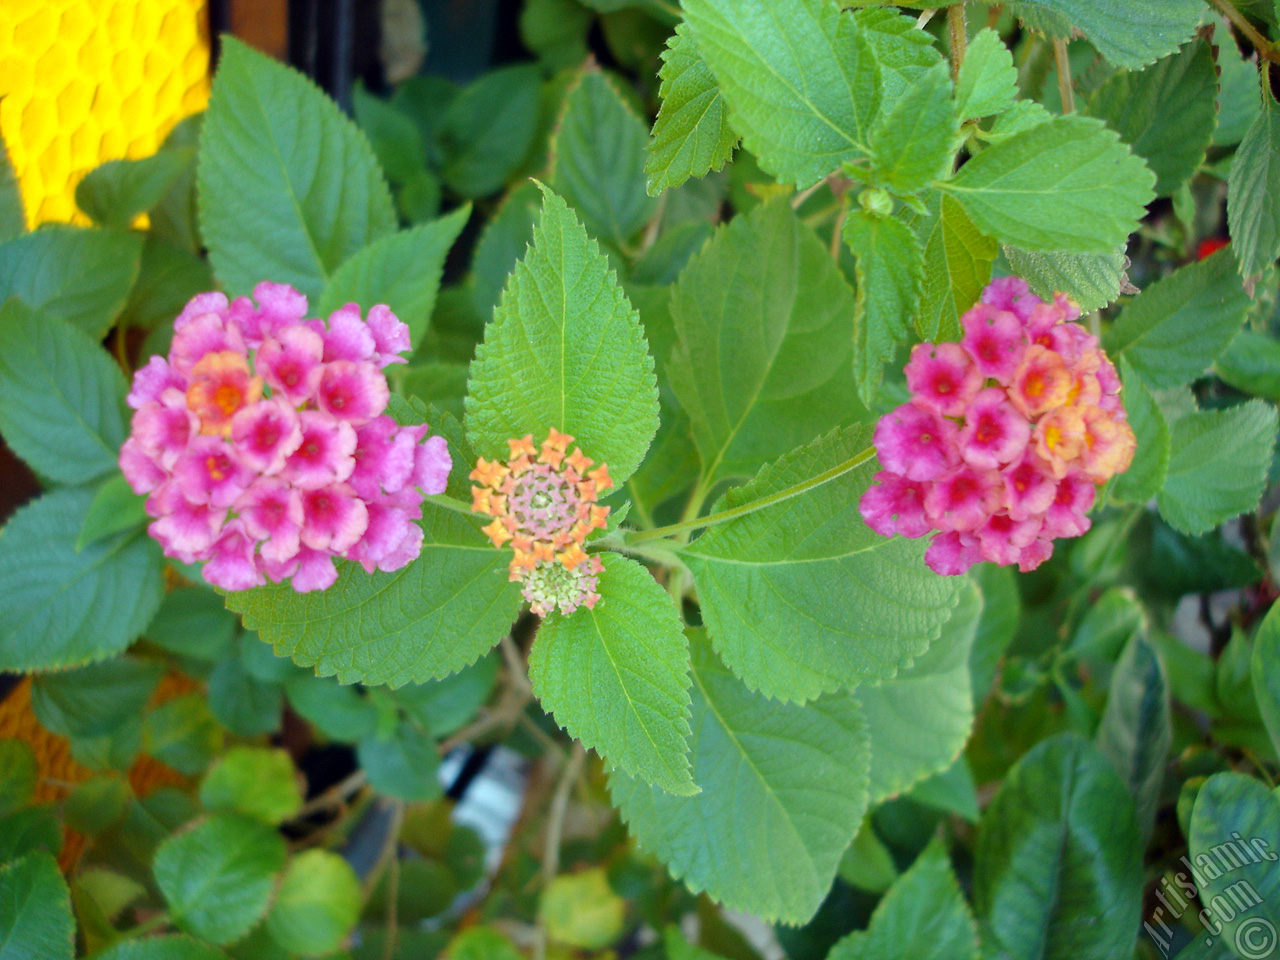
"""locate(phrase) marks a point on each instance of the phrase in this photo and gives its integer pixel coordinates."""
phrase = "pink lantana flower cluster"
(1005, 438)
(262, 445)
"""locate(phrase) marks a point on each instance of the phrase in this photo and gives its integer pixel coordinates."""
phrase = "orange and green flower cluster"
(543, 502)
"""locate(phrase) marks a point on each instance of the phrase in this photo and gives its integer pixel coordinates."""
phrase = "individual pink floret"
(964, 498)
(1034, 554)
(1011, 294)
(333, 518)
(183, 528)
(152, 380)
(209, 471)
(279, 306)
(348, 337)
(995, 339)
(994, 433)
(162, 428)
(354, 391)
(266, 433)
(198, 306)
(386, 531)
(952, 553)
(290, 362)
(1029, 486)
(142, 473)
(1002, 539)
(390, 335)
(232, 565)
(1067, 516)
(315, 571)
(271, 510)
(204, 335)
(916, 442)
(895, 505)
(942, 377)
(326, 453)
(384, 457)
(1041, 382)
(221, 385)
(431, 465)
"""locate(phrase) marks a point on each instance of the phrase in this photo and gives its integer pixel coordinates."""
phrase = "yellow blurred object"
(85, 81)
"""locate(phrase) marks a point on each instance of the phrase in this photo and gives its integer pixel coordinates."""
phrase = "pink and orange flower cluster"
(1005, 438)
(262, 445)
(543, 502)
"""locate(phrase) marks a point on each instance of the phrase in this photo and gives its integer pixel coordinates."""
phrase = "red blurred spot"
(1210, 246)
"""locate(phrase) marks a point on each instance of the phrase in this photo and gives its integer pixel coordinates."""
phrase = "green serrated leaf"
(757, 838)
(556, 30)
(1251, 364)
(335, 709)
(192, 622)
(94, 699)
(918, 721)
(115, 509)
(183, 733)
(169, 277)
(317, 905)
(1136, 730)
(1217, 465)
(18, 782)
(288, 185)
(691, 135)
(1238, 95)
(904, 51)
(79, 275)
(1067, 184)
(617, 677)
(35, 910)
(1058, 872)
(1252, 191)
(912, 143)
(1146, 475)
(396, 140)
(1266, 679)
(64, 608)
(162, 948)
(255, 781)
(890, 274)
(1178, 325)
(241, 702)
(1233, 817)
(443, 706)
(1131, 34)
(35, 829)
(1092, 280)
(762, 361)
(802, 598)
(61, 397)
(1166, 113)
(218, 876)
(115, 193)
(598, 160)
(565, 350)
(988, 80)
(923, 916)
(502, 243)
(958, 259)
(401, 763)
(801, 81)
(401, 270)
(488, 129)
(425, 621)
(13, 219)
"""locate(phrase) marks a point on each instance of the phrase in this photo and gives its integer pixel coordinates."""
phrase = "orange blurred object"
(85, 81)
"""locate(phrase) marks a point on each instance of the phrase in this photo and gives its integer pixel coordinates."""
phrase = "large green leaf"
(1251, 364)
(1136, 730)
(1058, 871)
(801, 80)
(1166, 113)
(1133, 33)
(63, 607)
(61, 397)
(1253, 192)
(401, 762)
(912, 143)
(1176, 327)
(691, 135)
(890, 273)
(988, 81)
(35, 910)
(923, 916)
(1217, 465)
(1234, 825)
(161, 948)
(119, 190)
(617, 677)
(217, 877)
(256, 781)
(419, 623)
(288, 186)
(598, 152)
(76, 274)
(919, 720)
(762, 315)
(759, 837)
(317, 904)
(94, 699)
(1146, 474)
(802, 597)
(1092, 280)
(489, 128)
(502, 243)
(565, 350)
(957, 266)
(1067, 184)
(401, 270)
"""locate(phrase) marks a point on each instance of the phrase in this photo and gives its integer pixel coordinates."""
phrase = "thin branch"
(555, 833)
(838, 229)
(958, 30)
(335, 796)
(516, 667)
(1265, 48)
(922, 21)
(1065, 89)
(805, 194)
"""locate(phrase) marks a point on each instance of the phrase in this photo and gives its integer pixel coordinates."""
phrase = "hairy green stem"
(752, 506)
